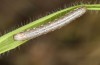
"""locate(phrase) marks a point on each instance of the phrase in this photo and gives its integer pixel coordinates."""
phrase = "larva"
(67, 18)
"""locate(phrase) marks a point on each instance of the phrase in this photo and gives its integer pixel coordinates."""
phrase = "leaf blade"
(7, 41)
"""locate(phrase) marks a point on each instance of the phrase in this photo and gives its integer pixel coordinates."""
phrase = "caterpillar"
(56, 24)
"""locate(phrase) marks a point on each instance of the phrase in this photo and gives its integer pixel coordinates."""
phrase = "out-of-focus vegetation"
(7, 41)
(75, 44)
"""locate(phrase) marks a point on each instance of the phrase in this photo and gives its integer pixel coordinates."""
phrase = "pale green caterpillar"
(7, 41)
(56, 24)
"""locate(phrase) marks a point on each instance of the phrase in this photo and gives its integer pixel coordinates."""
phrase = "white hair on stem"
(56, 24)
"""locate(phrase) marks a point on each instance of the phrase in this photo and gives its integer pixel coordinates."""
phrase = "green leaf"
(7, 41)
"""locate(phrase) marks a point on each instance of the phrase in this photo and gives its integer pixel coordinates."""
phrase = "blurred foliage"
(75, 44)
